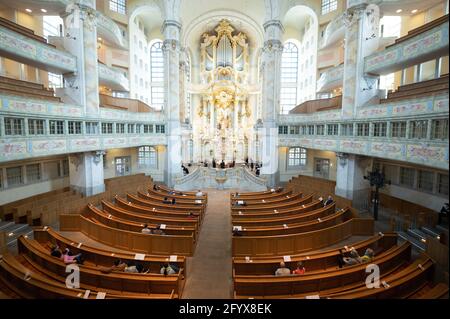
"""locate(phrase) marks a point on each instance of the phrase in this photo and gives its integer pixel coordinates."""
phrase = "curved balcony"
(22, 45)
(334, 31)
(111, 31)
(113, 78)
(331, 79)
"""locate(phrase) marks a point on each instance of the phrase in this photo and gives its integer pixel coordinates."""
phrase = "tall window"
(14, 126)
(119, 6)
(398, 129)
(14, 176)
(289, 77)
(147, 157)
(425, 180)
(379, 129)
(362, 129)
(328, 6)
(33, 173)
(439, 129)
(297, 156)
(407, 176)
(418, 129)
(36, 127)
(157, 75)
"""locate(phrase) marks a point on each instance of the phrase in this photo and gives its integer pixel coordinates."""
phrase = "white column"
(171, 48)
(86, 172)
(268, 133)
(361, 40)
(350, 182)
(81, 40)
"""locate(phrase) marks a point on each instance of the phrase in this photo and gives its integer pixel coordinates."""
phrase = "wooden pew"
(120, 223)
(315, 282)
(162, 194)
(126, 240)
(99, 257)
(32, 284)
(167, 190)
(255, 202)
(149, 218)
(301, 216)
(401, 283)
(282, 213)
(141, 199)
(179, 200)
(92, 278)
(312, 261)
(271, 207)
(439, 291)
(265, 246)
(301, 227)
(260, 195)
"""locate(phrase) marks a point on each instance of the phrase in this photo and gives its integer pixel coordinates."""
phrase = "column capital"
(170, 23)
(273, 23)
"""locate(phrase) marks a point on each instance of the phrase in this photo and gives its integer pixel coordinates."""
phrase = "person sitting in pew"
(56, 252)
(118, 265)
(168, 269)
(300, 270)
(69, 258)
(155, 187)
(134, 268)
(167, 201)
(282, 270)
(158, 231)
(146, 229)
(356, 259)
(199, 193)
(191, 215)
(329, 201)
(173, 202)
(240, 203)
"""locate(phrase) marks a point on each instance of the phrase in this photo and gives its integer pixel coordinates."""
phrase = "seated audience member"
(173, 202)
(131, 268)
(146, 230)
(353, 259)
(282, 270)
(199, 193)
(300, 270)
(279, 189)
(171, 192)
(236, 232)
(340, 259)
(443, 213)
(155, 187)
(240, 203)
(329, 201)
(167, 269)
(69, 258)
(56, 252)
(167, 201)
(257, 172)
(158, 230)
(368, 256)
(191, 215)
(117, 266)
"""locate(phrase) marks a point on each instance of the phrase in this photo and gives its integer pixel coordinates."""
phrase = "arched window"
(297, 157)
(147, 157)
(289, 77)
(157, 75)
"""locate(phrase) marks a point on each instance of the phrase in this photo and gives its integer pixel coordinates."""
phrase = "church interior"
(239, 149)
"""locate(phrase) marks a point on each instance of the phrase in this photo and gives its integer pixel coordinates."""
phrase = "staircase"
(14, 231)
(418, 236)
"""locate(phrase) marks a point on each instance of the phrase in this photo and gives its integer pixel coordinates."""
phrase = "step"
(4, 225)
(430, 231)
(418, 234)
(442, 229)
(417, 244)
(11, 240)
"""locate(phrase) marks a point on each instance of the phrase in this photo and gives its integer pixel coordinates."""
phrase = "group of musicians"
(250, 164)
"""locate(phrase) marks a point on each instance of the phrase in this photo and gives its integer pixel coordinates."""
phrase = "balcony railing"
(331, 79)
(111, 31)
(113, 78)
(318, 105)
(334, 31)
(422, 44)
(23, 46)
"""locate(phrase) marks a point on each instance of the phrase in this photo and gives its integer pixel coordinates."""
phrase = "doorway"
(322, 168)
(123, 165)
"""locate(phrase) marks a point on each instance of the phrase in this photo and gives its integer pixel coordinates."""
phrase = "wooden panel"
(3, 246)
(438, 252)
(69, 222)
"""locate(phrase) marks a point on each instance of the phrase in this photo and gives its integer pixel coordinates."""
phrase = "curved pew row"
(161, 194)
(32, 284)
(271, 208)
(289, 212)
(120, 223)
(152, 217)
(263, 201)
(332, 218)
(302, 215)
(166, 189)
(141, 199)
(263, 246)
(127, 240)
(152, 211)
(100, 257)
(179, 200)
(92, 278)
(316, 261)
(264, 194)
(320, 282)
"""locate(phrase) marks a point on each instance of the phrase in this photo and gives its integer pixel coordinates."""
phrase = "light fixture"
(43, 10)
(399, 10)
(99, 39)
(28, 10)
(414, 11)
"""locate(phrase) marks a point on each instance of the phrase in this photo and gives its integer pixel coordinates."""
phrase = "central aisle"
(209, 270)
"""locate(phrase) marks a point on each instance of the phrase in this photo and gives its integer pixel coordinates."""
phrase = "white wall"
(420, 198)
(17, 193)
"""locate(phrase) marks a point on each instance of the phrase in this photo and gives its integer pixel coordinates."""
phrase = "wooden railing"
(130, 105)
(318, 105)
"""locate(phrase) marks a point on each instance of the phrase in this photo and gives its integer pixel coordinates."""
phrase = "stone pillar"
(350, 182)
(361, 40)
(86, 172)
(81, 40)
(268, 133)
(171, 48)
